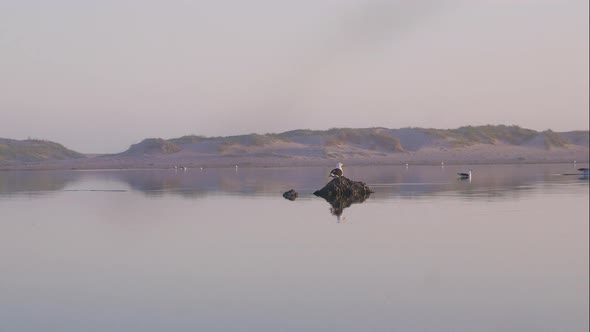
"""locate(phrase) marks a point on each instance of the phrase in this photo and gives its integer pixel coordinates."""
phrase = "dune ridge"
(472, 144)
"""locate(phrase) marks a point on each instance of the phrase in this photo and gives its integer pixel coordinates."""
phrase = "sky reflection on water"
(143, 250)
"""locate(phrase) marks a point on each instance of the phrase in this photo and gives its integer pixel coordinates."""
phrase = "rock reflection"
(342, 192)
(338, 204)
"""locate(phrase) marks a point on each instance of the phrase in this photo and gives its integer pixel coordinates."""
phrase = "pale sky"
(98, 76)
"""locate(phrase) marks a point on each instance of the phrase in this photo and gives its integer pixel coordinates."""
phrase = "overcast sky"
(98, 76)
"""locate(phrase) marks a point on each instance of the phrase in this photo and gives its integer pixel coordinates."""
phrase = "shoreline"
(50, 166)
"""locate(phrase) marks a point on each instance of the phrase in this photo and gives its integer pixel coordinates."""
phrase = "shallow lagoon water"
(220, 250)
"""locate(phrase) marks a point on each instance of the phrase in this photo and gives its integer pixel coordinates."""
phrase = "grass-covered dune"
(34, 150)
(372, 139)
(489, 143)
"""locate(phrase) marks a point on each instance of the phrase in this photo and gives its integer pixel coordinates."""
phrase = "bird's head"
(340, 165)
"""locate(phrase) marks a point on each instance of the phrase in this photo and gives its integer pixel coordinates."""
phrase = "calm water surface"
(220, 250)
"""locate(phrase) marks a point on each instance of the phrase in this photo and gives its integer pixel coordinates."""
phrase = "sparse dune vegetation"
(481, 144)
(152, 146)
(34, 150)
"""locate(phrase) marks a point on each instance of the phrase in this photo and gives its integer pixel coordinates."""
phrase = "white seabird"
(337, 172)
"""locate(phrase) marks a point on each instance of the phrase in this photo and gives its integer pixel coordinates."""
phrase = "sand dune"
(484, 144)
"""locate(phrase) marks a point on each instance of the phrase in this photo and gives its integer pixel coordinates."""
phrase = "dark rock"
(344, 188)
(343, 192)
(290, 195)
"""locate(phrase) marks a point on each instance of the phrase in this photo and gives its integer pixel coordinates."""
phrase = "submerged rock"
(343, 192)
(291, 195)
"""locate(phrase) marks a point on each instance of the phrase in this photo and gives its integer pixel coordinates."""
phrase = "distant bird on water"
(337, 172)
(465, 175)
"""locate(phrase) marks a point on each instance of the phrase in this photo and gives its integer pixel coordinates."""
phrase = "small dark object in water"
(465, 175)
(290, 195)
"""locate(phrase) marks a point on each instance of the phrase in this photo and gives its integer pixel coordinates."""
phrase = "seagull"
(465, 175)
(337, 172)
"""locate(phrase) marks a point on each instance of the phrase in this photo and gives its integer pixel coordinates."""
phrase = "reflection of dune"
(489, 181)
(145, 181)
(195, 182)
(35, 182)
